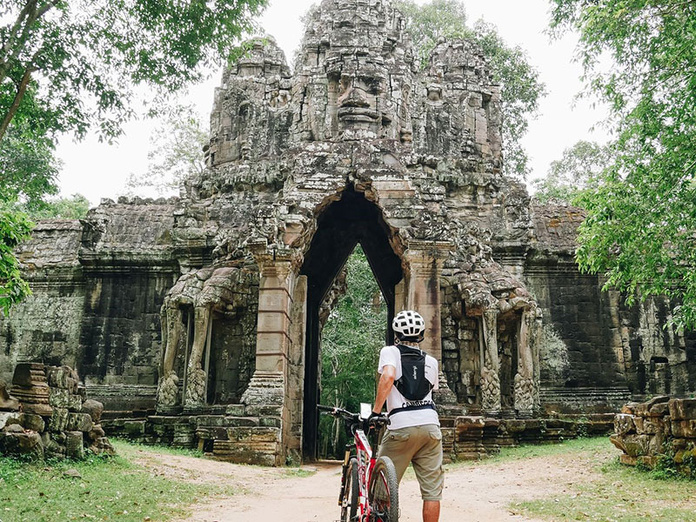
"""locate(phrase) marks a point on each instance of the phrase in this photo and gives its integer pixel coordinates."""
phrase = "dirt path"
(482, 491)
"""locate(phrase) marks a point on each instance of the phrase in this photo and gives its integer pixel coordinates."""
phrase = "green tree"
(176, 152)
(640, 228)
(14, 228)
(74, 207)
(350, 344)
(578, 169)
(86, 56)
(72, 66)
(521, 88)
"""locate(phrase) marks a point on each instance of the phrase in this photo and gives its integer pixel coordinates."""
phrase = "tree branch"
(21, 90)
(29, 14)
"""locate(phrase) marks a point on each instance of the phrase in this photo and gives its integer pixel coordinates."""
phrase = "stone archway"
(345, 223)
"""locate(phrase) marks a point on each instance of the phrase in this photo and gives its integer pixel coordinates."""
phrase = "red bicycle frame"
(376, 495)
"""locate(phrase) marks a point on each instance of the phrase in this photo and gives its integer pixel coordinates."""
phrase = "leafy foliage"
(640, 226)
(351, 341)
(28, 167)
(14, 228)
(578, 169)
(86, 56)
(521, 88)
(176, 152)
(74, 207)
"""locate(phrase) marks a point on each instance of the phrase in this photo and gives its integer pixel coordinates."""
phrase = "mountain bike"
(369, 487)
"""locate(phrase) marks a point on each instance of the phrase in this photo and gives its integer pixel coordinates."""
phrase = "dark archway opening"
(345, 223)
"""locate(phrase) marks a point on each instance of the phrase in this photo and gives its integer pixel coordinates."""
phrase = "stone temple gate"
(357, 145)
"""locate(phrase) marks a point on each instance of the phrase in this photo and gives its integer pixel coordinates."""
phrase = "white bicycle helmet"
(408, 324)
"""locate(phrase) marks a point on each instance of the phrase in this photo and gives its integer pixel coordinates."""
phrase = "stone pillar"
(276, 288)
(296, 371)
(524, 378)
(490, 367)
(425, 260)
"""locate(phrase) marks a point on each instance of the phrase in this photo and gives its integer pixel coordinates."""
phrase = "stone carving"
(490, 379)
(225, 289)
(56, 420)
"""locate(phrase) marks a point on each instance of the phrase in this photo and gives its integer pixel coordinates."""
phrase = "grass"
(618, 493)
(108, 488)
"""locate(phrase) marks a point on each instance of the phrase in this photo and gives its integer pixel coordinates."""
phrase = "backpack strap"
(429, 405)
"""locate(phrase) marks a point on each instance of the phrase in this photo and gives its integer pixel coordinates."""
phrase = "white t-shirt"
(391, 356)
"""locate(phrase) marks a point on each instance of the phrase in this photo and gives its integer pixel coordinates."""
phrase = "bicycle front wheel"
(384, 492)
(349, 500)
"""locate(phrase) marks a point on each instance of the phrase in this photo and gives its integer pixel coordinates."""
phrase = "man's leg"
(431, 510)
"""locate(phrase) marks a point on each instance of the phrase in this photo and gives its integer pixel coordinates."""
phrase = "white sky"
(98, 170)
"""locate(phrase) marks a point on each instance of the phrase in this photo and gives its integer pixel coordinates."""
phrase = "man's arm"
(386, 381)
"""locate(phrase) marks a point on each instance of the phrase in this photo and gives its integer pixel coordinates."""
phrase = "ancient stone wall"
(98, 285)
(597, 351)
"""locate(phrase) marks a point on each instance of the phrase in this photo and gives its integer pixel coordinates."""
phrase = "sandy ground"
(484, 491)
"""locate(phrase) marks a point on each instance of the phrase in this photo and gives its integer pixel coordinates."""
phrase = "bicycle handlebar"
(354, 418)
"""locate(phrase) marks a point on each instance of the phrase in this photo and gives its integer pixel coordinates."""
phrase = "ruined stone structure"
(661, 427)
(47, 414)
(206, 309)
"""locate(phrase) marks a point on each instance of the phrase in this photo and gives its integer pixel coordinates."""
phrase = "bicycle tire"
(383, 492)
(349, 502)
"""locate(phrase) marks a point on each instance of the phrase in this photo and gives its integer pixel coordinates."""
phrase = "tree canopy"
(83, 58)
(640, 57)
(521, 88)
(579, 169)
(176, 152)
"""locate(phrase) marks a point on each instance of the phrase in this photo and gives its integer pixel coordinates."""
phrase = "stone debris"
(662, 426)
(49, 416)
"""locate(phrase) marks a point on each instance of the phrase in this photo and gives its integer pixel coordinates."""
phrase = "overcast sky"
(100, 171)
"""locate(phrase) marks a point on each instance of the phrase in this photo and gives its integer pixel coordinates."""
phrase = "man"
(413, 435)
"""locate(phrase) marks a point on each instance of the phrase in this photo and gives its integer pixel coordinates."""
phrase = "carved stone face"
(358, 101)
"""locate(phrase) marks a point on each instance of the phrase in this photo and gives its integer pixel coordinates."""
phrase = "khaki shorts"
(422, 447)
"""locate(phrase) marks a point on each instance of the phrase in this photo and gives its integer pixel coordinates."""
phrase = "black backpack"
(412, 384)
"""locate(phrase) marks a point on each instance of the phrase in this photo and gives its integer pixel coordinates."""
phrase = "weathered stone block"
(682, 409)
(94, 408)
(59, 419)
(624, 424)
(26, 374)
(274, 422)
(253, 435)
(102, 446)
(264, 410)
(32, 422)
(8, 417)
(79, 422)
(59, 398)
(134, 428)
(21, 443)
(96, 432)
(74, 402)
(74, 445)
(636, 445)
(684, 428)
(7, 403)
